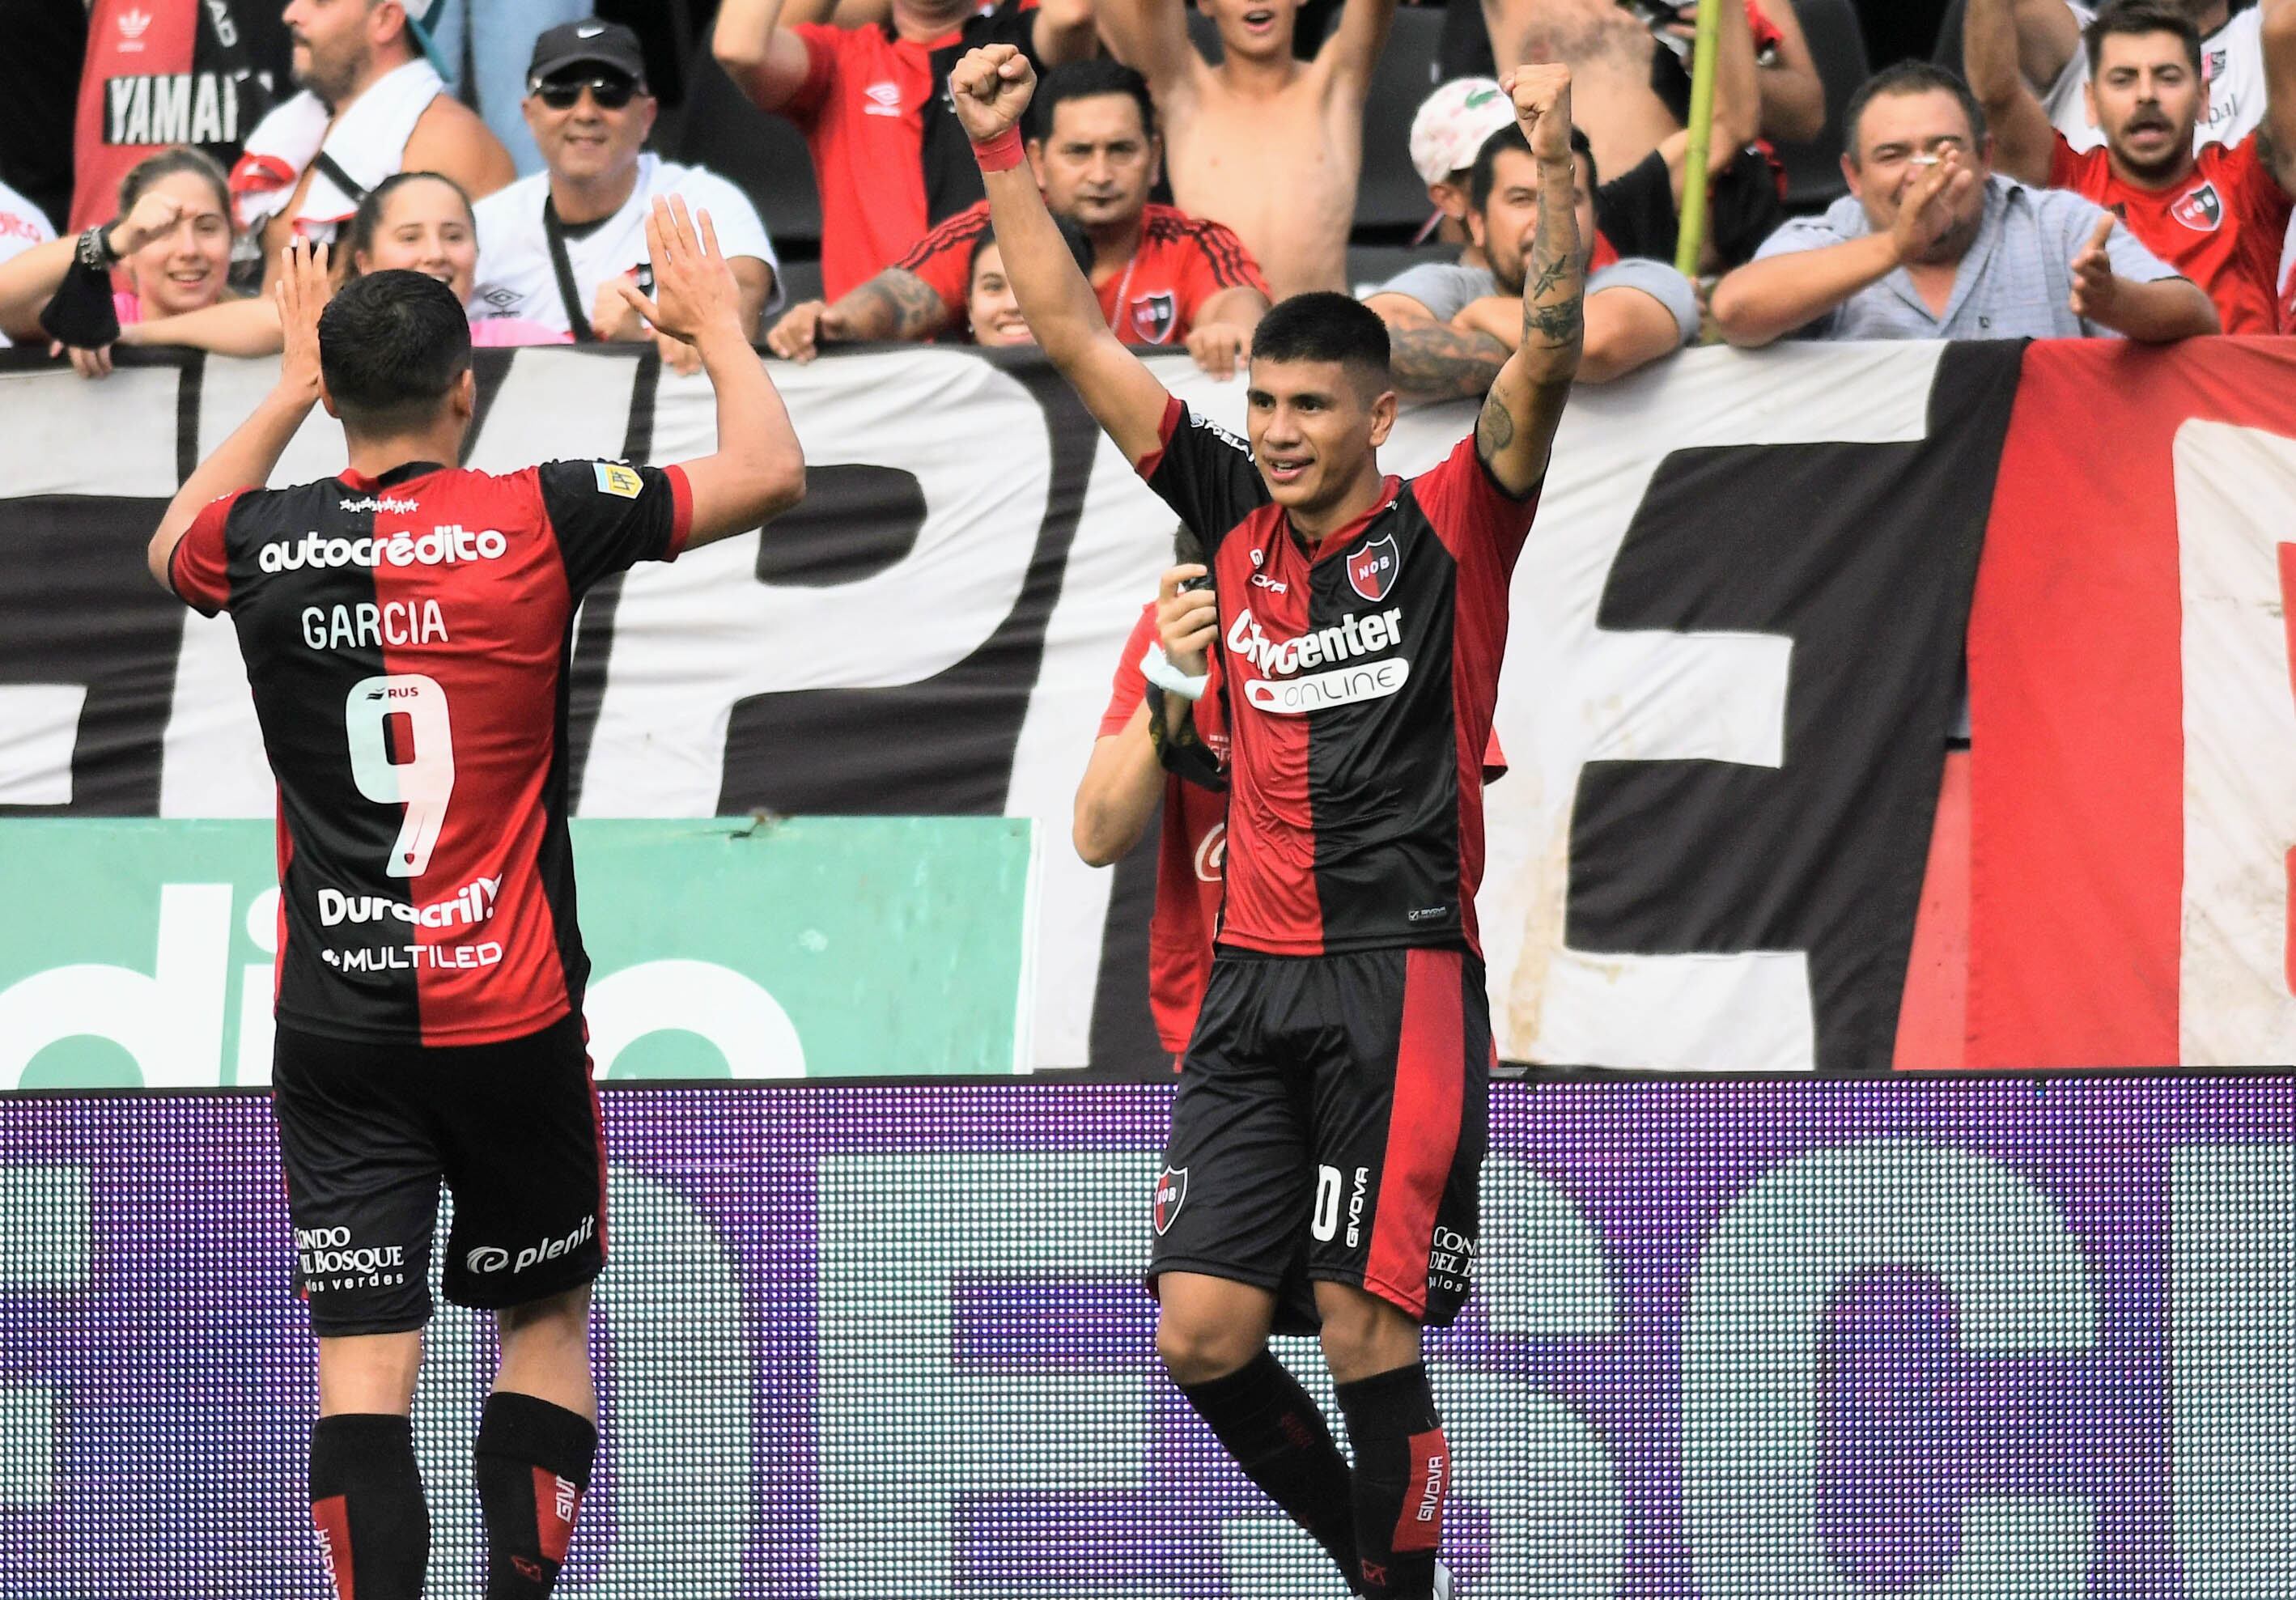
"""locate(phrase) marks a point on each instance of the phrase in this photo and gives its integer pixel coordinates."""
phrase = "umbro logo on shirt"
(2201, 210)
(881, 99)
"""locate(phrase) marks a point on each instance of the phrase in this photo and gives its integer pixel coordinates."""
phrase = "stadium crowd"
(2128, 173)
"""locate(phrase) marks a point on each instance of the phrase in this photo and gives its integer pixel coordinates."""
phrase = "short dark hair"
(1088, 80)
(1073, 234)
(359, 237)
(1910, 77)
(391, 346)
(1323, 325)
(1482, 177)
(2135, 19)
(166, 163)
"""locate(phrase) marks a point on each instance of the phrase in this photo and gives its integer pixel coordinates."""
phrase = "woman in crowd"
(172, 244)
(412, 222)
(990, 310)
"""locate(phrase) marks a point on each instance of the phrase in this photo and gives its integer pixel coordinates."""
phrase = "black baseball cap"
(589, 42)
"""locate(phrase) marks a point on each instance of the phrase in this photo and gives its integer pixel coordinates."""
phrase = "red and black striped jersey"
(406, 640)
(1357, 680)
(1181, 262)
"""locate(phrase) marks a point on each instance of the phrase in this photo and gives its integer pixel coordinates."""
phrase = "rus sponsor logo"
(442, 546)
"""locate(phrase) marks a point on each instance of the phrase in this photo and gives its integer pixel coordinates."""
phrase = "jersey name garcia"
(406, 640)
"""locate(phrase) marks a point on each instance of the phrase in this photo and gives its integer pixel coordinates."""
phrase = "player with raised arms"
(406, 626)
(1328, 1134)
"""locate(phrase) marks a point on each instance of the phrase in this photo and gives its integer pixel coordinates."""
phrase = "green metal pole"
(1691, 241)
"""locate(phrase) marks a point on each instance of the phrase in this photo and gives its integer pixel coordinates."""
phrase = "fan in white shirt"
(588, 107)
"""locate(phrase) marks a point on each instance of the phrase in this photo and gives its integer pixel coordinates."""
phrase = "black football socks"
(1276, 1434)
(366, 1502)
(1403, 1474)
(533, 1461)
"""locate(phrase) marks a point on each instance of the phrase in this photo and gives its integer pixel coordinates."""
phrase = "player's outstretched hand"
(1541, 93)
(2094, 286)
(694, 295)
(990, 88)
(1188, 620)
(303, 292)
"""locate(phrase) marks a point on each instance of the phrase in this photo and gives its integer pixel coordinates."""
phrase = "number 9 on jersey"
(408, 710)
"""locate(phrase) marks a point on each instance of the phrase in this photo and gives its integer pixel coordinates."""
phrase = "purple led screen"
(2011, 1339)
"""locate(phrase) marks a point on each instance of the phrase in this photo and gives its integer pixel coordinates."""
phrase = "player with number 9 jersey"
(406, 640)
(406, 626)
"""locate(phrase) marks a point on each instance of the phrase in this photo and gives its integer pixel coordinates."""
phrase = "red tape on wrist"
(1001, 154)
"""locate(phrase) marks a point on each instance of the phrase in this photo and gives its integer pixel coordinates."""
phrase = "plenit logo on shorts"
(470, 906)
(493, 1258)
(1276, 690)
(443, 547)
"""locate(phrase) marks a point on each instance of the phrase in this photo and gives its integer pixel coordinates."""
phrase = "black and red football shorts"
(1330, 1126)
(367, 1132)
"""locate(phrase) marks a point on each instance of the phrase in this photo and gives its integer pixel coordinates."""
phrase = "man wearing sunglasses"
(553, 246)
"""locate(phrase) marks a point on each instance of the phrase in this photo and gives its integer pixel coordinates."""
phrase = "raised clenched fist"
(1542, 105)
(990, 88)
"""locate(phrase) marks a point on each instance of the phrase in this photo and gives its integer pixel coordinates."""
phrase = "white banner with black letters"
(1706, 855)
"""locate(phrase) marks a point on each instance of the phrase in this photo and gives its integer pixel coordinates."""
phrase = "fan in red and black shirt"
(1123, 785)
(888, 159)
(1328, 1132)
(1162, 277)
(406, 626)
(2219, 217)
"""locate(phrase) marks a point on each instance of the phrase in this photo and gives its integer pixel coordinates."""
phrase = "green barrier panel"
(139, 953)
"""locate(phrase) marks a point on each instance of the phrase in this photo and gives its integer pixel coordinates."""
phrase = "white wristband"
(1159, 671)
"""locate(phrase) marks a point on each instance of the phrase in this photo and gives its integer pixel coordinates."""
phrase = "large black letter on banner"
(79, 608)
(944, 745)
(1865, 555)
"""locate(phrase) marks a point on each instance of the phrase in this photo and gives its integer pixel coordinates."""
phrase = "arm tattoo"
(1555, 326)
(1495, 429)
(896, 305)
(1438, 361)
(1553, 300)
(1526, 403)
